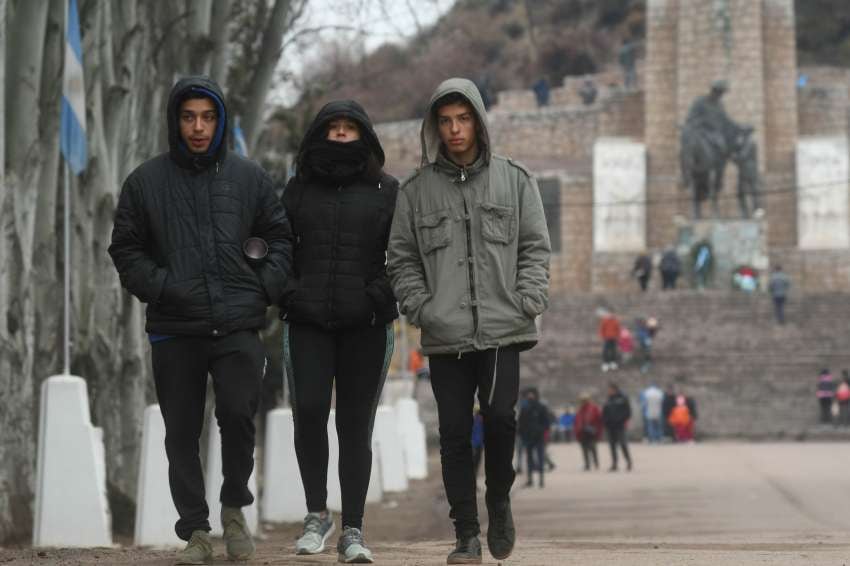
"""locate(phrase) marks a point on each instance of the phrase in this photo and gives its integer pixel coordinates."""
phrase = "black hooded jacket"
(179, 228)
(341, 232)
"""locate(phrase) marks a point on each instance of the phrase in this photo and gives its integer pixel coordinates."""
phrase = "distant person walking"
(653, 398)
(616, 414)
(609, 332)
(477, 441)
(779, 285)
(642, 271)
(825, 394)
(667, 405)
(646, 329)
(670, 268)
(588, 92)
(588, 430)
(532, 426)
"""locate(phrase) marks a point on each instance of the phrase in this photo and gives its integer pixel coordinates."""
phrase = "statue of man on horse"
(709, 139)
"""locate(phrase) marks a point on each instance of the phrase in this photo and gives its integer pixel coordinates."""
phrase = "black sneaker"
(467, 551)
(501, 534)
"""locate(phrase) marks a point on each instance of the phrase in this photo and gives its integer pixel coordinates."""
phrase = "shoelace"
(352, 535)
(312, 524)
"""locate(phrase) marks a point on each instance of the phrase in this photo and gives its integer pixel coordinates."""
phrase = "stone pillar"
(662, 136)
(781, 120)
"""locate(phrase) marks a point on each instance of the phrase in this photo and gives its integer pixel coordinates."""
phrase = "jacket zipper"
(473, 299)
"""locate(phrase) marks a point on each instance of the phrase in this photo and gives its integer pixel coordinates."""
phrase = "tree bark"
(264, 72)
(219, 35)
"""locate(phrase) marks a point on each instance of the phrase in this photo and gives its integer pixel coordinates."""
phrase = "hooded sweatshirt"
(181, 221)
(341, 208)
(469, 248)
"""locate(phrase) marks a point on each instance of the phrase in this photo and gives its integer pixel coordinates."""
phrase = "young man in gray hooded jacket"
(469, 261)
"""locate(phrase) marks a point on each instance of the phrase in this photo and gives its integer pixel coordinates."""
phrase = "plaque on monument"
(619, 195)
(822, 185)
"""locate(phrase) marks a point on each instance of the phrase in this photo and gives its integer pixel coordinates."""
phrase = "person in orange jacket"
(609, 331)
(681, 421)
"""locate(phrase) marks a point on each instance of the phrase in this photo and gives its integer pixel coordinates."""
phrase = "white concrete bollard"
(71, 508)
(155, 511)
(374, 494)
(214, 479)
(283, 491)
(334, 490)
(412, 433)
(391, 453)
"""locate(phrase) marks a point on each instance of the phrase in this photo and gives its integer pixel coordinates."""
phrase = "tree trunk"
(262, 78)
(18, 335)
(219, 35)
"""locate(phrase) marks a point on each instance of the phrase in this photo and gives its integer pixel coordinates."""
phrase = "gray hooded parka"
(469, 250)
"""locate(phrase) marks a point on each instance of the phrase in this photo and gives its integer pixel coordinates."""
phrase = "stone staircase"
(750, 377)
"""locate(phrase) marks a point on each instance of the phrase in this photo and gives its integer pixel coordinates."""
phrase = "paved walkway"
(704, 504)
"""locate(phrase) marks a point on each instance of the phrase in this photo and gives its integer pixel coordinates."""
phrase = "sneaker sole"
(463, 561)
(359, 559)
(306, 552)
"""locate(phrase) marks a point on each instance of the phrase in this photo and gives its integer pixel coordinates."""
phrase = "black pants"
(779, 309)
(356, 361)
(825, 409)
(609, 351)
(617, 437)
(535, 458)
(668, 279)
(588, 451)
(494, 374)
(236, 363)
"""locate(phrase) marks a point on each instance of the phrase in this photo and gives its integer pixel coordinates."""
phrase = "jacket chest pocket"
(435, 230)
(498, 223)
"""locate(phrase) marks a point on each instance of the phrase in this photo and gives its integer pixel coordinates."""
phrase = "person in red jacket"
(609, 331)
(588, 430)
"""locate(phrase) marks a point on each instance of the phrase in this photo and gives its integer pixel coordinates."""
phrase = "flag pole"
(66, 350)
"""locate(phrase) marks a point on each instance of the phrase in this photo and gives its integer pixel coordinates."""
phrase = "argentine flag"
(73, 130)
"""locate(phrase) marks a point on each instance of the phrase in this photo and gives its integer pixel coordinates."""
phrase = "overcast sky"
(374, 22)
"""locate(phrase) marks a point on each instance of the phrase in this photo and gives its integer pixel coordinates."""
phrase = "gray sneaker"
(198, 550)
(237, 537)
(317, 529)
(351, 548)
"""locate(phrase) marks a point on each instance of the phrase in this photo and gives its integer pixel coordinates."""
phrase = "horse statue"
(702, 158)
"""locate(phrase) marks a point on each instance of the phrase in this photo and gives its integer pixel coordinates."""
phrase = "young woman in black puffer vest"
(338, 311)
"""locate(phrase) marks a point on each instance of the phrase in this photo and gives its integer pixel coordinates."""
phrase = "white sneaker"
(317, 528)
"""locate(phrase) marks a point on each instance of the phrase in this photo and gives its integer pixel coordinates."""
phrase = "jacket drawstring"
(493, 383)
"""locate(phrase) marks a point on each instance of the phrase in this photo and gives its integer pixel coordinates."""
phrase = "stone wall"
(689, 44)
(547, 138)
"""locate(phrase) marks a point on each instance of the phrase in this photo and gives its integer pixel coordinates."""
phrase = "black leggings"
(356, 360)
(236, 363)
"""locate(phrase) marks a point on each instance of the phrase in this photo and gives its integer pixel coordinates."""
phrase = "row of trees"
(133, 50)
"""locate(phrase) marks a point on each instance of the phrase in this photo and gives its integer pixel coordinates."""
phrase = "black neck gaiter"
(337, 161)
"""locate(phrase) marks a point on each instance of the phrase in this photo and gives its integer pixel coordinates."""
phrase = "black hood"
(199, 84)
(341, 109)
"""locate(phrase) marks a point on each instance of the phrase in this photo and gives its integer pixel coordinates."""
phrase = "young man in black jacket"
(182, 222)
(615, 415)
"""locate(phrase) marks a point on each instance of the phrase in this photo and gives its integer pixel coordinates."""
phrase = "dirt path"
(709, 504)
